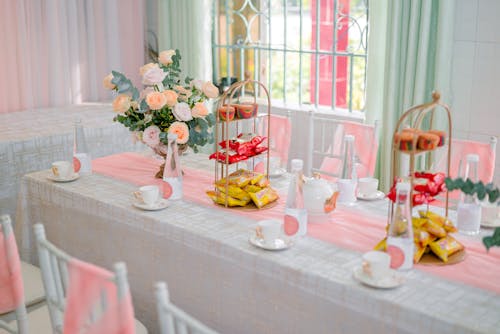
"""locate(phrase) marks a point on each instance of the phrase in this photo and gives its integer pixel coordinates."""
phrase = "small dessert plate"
(158, 205)
(279, 244)
(372, 197)
(53, 178)
(491, 224)
(277, 172)
(393, 280)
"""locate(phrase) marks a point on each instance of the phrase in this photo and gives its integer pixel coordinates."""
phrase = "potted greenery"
(481, 191)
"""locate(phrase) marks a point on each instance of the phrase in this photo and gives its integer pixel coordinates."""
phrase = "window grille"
(274, 41)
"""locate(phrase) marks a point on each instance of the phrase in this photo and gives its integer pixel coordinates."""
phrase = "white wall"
(475, 100)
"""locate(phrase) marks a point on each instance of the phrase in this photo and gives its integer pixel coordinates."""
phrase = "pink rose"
(106, 82)
(199, 110)
(151, 136)
(210, 90)
(147, 67)
(145, 92)
(165, 57)
(182, 112)
(156, 100)
(121, 103)
(171, 97)
(181, 130)
(153, 76)
(196, 83)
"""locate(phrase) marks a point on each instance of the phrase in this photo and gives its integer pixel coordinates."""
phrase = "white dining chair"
(172, 319)
(34, 294)
(54, 264)
(18, 320)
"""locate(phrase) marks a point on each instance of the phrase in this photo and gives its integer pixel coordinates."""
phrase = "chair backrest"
(460, 149)
(174, 320)
(280, 135)
(81, 296)
(11, 281)
(327, 146)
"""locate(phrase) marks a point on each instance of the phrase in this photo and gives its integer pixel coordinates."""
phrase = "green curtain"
(186, 25)
(409, 55)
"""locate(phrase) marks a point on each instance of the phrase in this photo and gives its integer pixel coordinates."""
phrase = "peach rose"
(210, 90)
(147, 67)
(165, 57)
(151, 136)
(156, 100)
(122, 103)
(171, 97)
(106, 82)
(181, 130)
(199, 110)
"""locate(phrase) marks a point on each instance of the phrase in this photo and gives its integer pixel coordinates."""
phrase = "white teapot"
(320, 197)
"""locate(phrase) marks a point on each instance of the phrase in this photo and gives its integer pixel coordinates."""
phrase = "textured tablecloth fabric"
(31, 140)
(216, 275)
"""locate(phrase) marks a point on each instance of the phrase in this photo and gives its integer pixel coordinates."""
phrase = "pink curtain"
(56, 52)
(280, 136)
(11, 281)
(87, 284)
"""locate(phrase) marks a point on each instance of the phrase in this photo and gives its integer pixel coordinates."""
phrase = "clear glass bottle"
(172, 173)
(295, 199)
(82, 161)
(400, 245)
(469, 210)
(349, 180)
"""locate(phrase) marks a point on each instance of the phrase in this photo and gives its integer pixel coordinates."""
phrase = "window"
(275, 42)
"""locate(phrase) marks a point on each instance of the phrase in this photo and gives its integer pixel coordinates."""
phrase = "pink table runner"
(349, 228)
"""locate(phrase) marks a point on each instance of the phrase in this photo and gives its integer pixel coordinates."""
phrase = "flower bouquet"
(165, 105)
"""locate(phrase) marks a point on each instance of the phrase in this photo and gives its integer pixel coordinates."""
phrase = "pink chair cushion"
(280, 136)
(11, 281)
(86, 284)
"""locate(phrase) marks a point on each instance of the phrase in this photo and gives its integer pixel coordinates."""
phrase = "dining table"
(30, 140)
(214, 273)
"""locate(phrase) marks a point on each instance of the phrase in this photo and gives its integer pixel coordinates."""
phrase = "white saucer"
(277, 172)
(393, 280)
(159, 205)
(61, 179)
(279, 244)
(372, 197)
(491, 224)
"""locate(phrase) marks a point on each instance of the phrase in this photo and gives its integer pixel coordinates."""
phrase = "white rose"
(210, 90)
(182, 112)
(153, 76)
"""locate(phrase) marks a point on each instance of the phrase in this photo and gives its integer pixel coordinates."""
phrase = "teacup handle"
(55, 171)
(367, 268)
(258, 233)
(138, 195)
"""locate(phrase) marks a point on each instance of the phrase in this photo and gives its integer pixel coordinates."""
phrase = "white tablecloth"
(216, 275)
(32, 140)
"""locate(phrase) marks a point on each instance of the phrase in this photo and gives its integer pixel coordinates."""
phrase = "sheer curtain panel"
(56, 52)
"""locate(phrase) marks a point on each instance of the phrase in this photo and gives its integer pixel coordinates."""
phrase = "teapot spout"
(331, 202)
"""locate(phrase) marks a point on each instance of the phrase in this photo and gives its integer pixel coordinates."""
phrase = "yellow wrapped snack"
(418, 222)
(449, 226)
(434, 228)
(264, 197)
(446, 247)
(422, 237)
(263, 182)
(440, 248)
(239, 178)
(256, 178)
(235, 192)
(381, 246)
(220, 198)
(250, 188)
(419, 252)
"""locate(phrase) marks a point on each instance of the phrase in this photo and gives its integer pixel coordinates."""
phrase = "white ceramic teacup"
(62, 169)
(367, 186)
(148, 194)
(271, 229)
(376, 264)
(347, 191)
